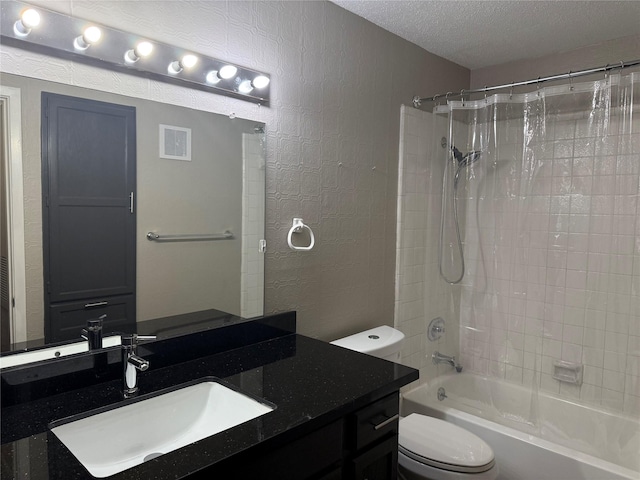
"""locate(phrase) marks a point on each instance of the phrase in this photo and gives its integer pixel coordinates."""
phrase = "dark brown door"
(89, 164)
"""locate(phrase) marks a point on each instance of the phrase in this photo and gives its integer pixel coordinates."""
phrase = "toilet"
(428, 448)
(382, 342)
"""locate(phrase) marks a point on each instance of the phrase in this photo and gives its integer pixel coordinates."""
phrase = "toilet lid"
(443, 445)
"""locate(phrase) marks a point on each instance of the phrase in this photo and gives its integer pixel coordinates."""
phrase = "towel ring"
(297, 227)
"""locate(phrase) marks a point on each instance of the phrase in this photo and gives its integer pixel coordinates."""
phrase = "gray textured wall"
(338, 82)
(333, 160)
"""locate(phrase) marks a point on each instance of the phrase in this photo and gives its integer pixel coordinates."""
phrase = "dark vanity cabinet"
(362, 445)
(372, 434)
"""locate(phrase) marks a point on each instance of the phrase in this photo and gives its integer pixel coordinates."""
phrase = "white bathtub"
(534, 437)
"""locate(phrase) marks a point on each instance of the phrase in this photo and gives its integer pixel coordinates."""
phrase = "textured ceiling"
(478, 33)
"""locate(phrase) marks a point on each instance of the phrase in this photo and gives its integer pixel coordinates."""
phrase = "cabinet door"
(71, 317)
(88, 182)
(307, 457)
(377, 463)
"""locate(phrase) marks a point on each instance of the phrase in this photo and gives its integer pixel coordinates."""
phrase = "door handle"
(96, 304)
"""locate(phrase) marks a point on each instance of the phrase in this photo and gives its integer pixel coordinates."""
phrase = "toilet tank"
(382, 342)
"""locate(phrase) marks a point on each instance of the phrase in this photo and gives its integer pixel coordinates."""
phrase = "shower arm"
(417, 101)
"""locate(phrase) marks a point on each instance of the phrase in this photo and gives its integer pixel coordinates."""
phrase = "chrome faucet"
(438, 357)
(131, 363)
(93, 332)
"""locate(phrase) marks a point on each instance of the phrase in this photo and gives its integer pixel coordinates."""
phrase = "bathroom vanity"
(334, 411)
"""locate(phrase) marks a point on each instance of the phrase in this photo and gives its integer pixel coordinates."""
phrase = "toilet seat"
(446, 466)
(443, 445)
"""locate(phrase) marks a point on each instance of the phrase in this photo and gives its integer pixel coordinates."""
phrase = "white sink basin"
(110, 442)
(50, 353)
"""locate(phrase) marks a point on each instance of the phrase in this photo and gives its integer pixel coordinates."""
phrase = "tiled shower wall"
(252, 268)
(569, 288)
(420, 294)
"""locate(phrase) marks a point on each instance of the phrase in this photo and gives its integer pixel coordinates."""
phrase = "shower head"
(465, 160)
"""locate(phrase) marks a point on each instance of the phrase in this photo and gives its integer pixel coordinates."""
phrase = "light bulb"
(212, 77)
(142, 49)
(29, 19)
(260, 81)
(228, 71)
(245, 87)
(90, 36)
(189, 61)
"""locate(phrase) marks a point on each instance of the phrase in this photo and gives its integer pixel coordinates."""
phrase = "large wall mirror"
(211, 185)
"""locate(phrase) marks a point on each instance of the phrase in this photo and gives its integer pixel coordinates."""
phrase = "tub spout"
(438, 357)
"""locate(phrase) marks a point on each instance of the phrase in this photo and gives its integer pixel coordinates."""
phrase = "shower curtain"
(549, 220)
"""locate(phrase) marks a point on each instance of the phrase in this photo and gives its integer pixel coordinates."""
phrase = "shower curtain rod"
(417, 101)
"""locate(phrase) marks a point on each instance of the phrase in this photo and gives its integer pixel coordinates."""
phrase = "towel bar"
(227, 235)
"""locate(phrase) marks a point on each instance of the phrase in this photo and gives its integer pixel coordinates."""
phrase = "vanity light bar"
(51, 33)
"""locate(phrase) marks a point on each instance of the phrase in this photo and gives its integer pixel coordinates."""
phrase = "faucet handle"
(132, 339)
(146, 337)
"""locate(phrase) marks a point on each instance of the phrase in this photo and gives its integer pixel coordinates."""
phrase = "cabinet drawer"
(374, 422)
(69, 318)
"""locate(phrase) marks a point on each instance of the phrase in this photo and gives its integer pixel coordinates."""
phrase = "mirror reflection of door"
(12, 244)
(89, 221)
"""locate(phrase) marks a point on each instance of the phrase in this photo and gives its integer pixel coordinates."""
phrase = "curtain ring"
(511, 91)
(485, 94)
(570, 81)
(538, 87)
(462, 96)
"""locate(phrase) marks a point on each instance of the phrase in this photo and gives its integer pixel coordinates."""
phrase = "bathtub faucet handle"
(442, 394)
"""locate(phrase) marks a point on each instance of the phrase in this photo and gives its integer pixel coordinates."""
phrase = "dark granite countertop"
(311, 383)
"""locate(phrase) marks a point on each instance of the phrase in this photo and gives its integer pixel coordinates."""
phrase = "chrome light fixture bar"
(51, 33)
